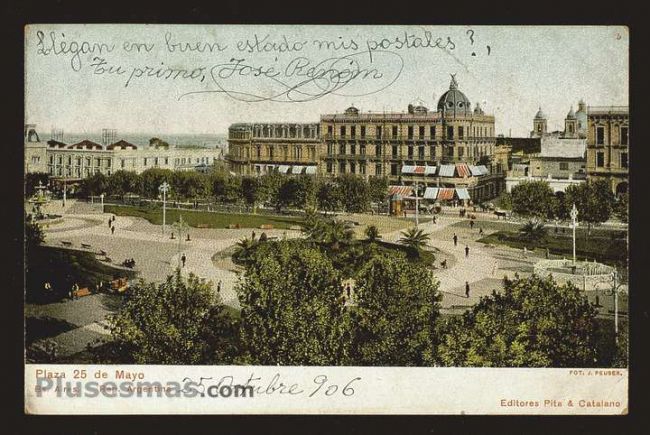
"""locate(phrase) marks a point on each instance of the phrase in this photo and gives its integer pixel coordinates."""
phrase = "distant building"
(85, 158)
(608, 146)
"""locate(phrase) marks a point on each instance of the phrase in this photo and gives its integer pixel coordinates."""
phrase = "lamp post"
(417, 205)
(164, 188)
(180, 227)
(574, 215)
(102, 199)
(614, 292)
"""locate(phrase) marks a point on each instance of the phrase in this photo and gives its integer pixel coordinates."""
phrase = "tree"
(288, 194)
(244, 250)
(34, 235)
(533, 322)
(151, 179)
(123, 182)
(328, 197)
(291, 307)
(593, 199)
(397, 306)
(158, 143)
(354, 193)
(414, 238)
(179, 321)
(94, 185)
(378, 189)
(622, 207)
(270, 189)
(251, 189)
(534, 199)
(329, 232)
(562, 208)
(225, 187)
(372, 233)
(190, 185)
(533, 231)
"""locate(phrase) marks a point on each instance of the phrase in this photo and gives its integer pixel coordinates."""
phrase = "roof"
(56, 143)
(540, 114)
(454, 100)
(121, 144)
(86, 144)
(478, 170)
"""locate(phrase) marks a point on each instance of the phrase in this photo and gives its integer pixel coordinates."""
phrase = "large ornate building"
(451, 147)
(608, 146)
(259, 148)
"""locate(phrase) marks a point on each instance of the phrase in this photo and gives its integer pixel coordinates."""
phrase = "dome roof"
(571, 114)
(454, 101)
(351, 111)
(540, 114)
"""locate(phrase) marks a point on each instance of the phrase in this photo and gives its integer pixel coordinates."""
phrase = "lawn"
(609, 249)
(204, 219)
(62, 268)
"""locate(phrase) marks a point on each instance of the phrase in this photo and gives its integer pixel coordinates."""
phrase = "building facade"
(260, 148)
(608, 146)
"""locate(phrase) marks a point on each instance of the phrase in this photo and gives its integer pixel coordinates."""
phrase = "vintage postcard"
(266, 219)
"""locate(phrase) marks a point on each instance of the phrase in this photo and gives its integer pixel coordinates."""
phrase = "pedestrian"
(525, 252)
(466, 251)
(347, 289)
(548, 254)
(183, 260)
(173, 237)
(113, 229)
(253, 236)
(494, 267)
(467, 289)
(471, 224)
(480, 231)
(219, 287)
(110, 221)
(434, 220)
(455, 240)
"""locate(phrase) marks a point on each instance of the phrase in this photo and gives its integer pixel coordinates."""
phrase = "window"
(353, 149)
(145, 161)
(421, 153)
(363, 131)
(624, 163)
(271, 152)
(342, 167)
(600, 159)
(353, 131)
(421, 132)
(362, 168)
(564, 166)
(432, 151)
(600, 135)
(259, 151)
(166, 160)
(330, 167)
(395, 131)
(378, 132)
(378, 169)
(461, 151)
(450, 132)
(155, 161)
(342, 131)
(461, 132)
(342, 149)
(362, 150)
(393, 169)
(378, 150)
(432, 131)
(394, 150)
(410, 132)
(353, 167)
(122, 163)
(329, 130)
(410, 152)
(624, 136)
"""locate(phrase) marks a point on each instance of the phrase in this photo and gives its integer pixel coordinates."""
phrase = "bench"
(234, 226)
(266, 227)
(202, 226)
(295, 227)
(66, 243)
(102, 253)
(81, 292)
(86, 246)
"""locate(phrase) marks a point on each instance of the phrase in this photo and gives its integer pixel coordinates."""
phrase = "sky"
(511, 71)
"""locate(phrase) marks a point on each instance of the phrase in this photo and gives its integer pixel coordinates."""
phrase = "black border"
(18, 13)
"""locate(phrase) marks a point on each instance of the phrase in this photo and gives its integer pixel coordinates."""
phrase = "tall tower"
(571, 125)
(539, 124)
(581, 116)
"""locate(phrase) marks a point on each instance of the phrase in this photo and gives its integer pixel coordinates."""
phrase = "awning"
(462, 170)
(431, 193)
(283, 169)
(311, 170)
(462, 193)
(297, 169)
(430, 170)
(478, 170)
(446, 193)
(408, 169)
(269, 168)
(400, 190)
(419, 170)
(484, 170)
(446, 171)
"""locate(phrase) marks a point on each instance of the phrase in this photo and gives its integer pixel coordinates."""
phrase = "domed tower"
(581, 116)
(539, 124)
(571, 125)
(478, 110)
(453, 102)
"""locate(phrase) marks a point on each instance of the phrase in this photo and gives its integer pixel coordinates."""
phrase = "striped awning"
(408, 169)
(310, 170)
(446, 170)
(400, 190)
(446, 193)
(478, 170)
(463, 170)
(431, 193)
(297, 169)
(283, 169)
(462, 193)
(430, 170)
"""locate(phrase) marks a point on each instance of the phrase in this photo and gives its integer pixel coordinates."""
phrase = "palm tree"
(244, 249)
(372, 233)
(533, 230)
(414, 238)
(336, 232)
